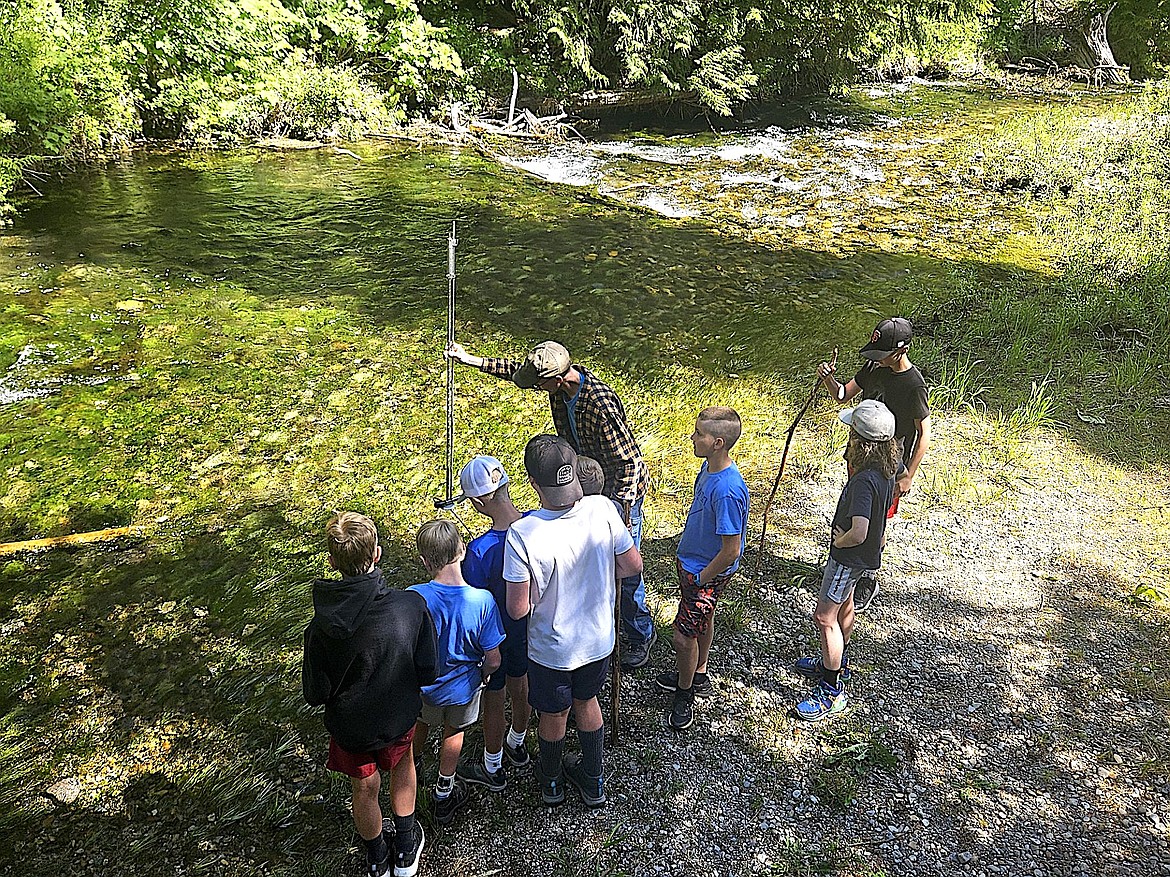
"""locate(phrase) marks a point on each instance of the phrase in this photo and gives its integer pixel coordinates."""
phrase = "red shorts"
(363, 764)
(696, 603)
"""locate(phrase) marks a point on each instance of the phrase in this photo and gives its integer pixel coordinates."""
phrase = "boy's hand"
(837, 534)
(904, 483)
(825, 369)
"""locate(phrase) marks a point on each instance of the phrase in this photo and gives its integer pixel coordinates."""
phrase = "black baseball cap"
(891, 336)
(551, 463)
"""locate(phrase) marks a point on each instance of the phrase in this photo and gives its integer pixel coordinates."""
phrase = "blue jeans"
(636, 621)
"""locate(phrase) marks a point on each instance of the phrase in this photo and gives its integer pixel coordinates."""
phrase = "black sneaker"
(700, 685)
(475, 772)
(682, 714)
(591, 789)
(637, 657)
(406, 864)
(379, 869)
(863, 593)
(446, 808)
(552, 789)
(517, 755)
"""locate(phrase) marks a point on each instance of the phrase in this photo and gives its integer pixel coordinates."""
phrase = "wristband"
(840, 392)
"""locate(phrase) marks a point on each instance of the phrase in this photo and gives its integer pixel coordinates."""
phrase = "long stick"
(615, 659)
(71, 539)
(452, 242)
(780, 473)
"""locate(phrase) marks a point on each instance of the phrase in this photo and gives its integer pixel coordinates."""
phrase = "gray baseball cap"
(871, 419)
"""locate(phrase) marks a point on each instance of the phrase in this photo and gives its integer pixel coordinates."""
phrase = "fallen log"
(72, 539)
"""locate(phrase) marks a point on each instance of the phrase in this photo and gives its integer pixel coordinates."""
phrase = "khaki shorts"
(454, 715)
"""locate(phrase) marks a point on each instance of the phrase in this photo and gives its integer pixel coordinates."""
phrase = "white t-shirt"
(570, 558)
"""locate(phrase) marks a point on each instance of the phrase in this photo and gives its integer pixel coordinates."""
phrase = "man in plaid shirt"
(588, 414)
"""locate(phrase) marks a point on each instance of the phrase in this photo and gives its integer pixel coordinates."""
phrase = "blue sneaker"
(822, 703)
(811, 668)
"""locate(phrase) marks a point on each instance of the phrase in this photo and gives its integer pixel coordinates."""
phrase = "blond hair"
(352, 538)
(722, 422)
(438, 543)
(862, 453)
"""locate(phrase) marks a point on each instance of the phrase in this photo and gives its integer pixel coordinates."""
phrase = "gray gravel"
(994, 673)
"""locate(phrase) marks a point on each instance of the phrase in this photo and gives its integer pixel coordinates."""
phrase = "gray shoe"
(701, 685)
(591, 789)
(635, 657)
(863, 593)
(517, 755)
(475, 772)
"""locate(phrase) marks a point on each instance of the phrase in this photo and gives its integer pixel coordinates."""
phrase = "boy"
(469, 635)
(368, 650)
(889, 377)
(859, 526)
(485, 484)
(559, 563)
(591, 475)
(708, 555)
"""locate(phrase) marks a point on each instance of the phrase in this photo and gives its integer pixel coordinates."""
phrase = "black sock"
(592, 746)
(550, 756)
(833, 677)
(699, 679)
(404, 833)
(376, 850)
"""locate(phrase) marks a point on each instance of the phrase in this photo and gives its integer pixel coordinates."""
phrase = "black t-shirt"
(867, 495)
(904, 393)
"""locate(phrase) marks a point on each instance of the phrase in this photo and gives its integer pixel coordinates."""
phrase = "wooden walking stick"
(615, 658)
(780, 473)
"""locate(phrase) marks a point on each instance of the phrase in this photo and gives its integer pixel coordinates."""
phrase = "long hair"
(885, 456)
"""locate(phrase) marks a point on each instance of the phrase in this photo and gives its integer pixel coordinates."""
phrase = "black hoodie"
(368, 652)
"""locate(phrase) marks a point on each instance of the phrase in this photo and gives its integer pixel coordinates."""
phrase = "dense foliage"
(83, 76)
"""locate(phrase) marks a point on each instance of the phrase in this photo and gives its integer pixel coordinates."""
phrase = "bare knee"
(827, 617)
(681, 641)
(367, 788)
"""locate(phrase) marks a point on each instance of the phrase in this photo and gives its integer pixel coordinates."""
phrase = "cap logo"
(496, 474)
(564, 475)
(875, 336)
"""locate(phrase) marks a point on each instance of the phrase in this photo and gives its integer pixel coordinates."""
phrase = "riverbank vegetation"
(1098, 328)
(84, 77)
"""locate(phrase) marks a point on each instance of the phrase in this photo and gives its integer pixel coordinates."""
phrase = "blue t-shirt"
(468, 624)
(866, 495)
(720, 509)
(483, 567)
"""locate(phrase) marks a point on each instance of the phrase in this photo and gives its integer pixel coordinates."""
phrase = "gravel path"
(1005, 717)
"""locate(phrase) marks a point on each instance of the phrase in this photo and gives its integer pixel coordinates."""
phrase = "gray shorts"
(453, 715)
(839, 581)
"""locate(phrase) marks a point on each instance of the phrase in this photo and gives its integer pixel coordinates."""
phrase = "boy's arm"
(519, 599)
(491, 663)
(841, 392)
(728, 554)
(315, 683)
(426, 651)
(854, 536)
(906, 479)
(629, 563)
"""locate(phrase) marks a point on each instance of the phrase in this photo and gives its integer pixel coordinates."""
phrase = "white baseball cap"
(482, 476)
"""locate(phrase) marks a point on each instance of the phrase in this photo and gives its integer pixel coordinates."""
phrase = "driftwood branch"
(71, 539)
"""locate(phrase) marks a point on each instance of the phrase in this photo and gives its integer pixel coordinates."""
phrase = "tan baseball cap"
(547, 360)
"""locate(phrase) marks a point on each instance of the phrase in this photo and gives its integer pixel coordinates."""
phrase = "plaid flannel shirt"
(603, 432)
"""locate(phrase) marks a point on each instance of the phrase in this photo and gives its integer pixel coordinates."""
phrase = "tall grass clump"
(1097, 327)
